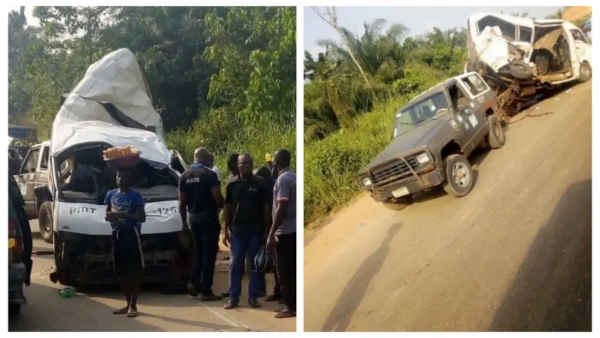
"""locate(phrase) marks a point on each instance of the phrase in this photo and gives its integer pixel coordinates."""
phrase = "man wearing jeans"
(246, 217)
(282, 235)
(200, 198)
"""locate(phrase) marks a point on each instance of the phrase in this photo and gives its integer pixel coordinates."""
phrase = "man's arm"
(183, 209)
(215, 190)
(109, 216)
(281, 197)
(228, 214)
(279, 214)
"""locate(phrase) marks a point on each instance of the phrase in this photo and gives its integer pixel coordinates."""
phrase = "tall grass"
(331, 164)
(222, 139)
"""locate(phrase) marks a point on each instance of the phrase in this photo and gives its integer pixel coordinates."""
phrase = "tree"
(20, 38)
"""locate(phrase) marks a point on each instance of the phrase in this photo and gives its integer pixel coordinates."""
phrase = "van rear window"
(508, 29)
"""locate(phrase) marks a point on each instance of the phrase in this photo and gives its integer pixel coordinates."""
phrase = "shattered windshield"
(84, 177)
(420, 112)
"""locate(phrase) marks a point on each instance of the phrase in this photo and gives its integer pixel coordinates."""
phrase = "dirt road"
(515, 254)
(92, 310)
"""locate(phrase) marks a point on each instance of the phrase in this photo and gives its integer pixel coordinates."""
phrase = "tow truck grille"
(396, 169)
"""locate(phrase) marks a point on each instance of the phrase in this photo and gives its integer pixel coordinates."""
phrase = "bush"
(223, 136)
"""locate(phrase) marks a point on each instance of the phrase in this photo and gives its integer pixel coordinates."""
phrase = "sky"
(419, 20)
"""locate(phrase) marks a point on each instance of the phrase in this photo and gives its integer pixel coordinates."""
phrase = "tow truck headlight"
(423, 158)
(367, 182)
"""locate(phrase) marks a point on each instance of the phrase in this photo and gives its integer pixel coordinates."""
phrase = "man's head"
(232, 164)
(124, 178)
(282, 159)
(201, 155)
(245, 165)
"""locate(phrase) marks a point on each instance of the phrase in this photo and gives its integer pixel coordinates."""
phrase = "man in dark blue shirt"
(199, 202)
(125, 212)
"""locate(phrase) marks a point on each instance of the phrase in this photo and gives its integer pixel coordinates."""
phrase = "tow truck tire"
(496, 137)
(585, 72)
(459, 175)
(45, 221)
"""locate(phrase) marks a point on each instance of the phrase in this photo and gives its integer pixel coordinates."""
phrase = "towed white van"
(110, 107)
(526, 54)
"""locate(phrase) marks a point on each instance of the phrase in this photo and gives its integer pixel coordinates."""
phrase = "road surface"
(514, 254)
(48, 311)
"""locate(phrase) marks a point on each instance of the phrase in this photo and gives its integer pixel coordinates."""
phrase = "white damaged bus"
(109, 107)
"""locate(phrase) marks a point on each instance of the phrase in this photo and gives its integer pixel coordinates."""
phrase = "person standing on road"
(282, 235)
(246, 218)
(199, 202)
(125, 213)
(266, 172)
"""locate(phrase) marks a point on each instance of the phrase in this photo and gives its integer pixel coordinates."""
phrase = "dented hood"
(111, 105)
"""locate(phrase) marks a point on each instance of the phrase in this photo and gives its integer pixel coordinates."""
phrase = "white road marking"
(224, 318)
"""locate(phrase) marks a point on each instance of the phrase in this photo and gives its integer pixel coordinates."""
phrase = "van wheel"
(45, 221)
(61, 262)
(496, 137)
(459, 175)
(585, 72)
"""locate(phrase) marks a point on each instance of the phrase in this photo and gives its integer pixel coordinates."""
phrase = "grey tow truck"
(433, 136)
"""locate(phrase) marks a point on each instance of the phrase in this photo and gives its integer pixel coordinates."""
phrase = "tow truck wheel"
(459, 175)
(45, 221)
(585, 72)
(496, 137)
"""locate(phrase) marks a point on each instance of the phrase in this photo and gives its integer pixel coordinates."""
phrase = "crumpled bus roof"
(111, 105)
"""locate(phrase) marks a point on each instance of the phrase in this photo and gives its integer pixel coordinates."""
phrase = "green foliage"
(222, 65)
(330, 165)
(254, 139)
(335, 92)
(254, 50)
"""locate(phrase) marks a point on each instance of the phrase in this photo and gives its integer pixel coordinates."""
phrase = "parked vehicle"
(519, 56)
(19, 248)
(110, 107)
(433, 136)
(32, 174)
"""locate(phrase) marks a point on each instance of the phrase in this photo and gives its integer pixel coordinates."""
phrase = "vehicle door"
(464, 120)
(27, 179)
(582, 50)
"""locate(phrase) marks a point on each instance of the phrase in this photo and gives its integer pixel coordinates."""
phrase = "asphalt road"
(46, 310)
(514, 254)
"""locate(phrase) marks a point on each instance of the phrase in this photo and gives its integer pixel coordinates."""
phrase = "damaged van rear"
(110, 107)
(518, 56)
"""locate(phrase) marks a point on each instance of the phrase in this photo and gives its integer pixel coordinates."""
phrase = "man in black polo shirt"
(246, 218)
(200, 199)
